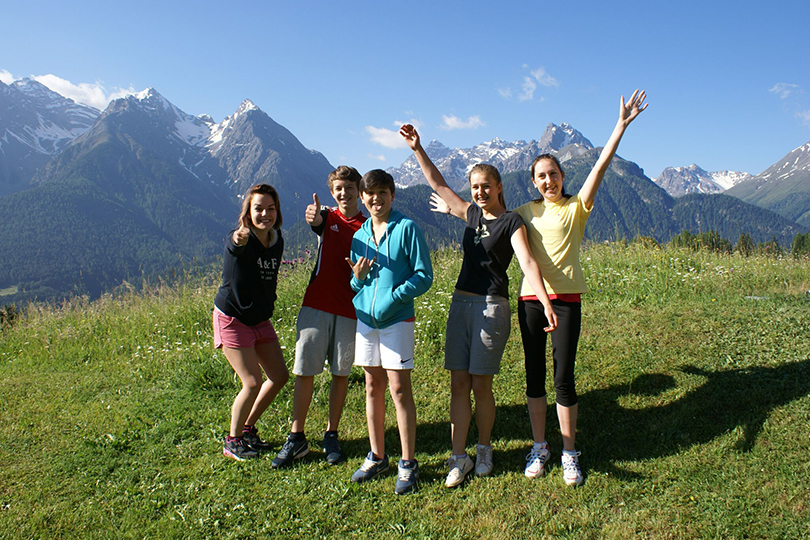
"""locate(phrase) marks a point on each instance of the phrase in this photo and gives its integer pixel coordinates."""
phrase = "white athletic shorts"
(389, 348)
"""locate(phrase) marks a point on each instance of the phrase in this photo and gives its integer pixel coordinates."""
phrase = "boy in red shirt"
(327, 320)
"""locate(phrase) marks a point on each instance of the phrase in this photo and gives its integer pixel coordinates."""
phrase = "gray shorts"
(322, 336)
(477, 330)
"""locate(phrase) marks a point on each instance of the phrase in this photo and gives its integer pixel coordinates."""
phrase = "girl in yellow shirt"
(556, 226)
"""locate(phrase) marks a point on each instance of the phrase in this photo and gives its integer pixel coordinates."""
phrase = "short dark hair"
(260, 189)
(377, 178)
(344, 172)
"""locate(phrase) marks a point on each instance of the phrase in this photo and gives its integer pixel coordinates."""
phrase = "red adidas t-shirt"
(329, 287)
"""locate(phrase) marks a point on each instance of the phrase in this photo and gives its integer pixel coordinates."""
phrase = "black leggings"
(564, 343)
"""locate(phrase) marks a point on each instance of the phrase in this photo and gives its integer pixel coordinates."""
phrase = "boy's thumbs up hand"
(312, 215)
(241, 235)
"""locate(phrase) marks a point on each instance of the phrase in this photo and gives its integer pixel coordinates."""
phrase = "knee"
(375, 387)
(282, 377)
(460, 386)
(566, 393)
(482, 387)
(252, 384)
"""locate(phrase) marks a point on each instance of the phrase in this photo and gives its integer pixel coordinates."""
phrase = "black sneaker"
(370, 469)
(237, 449)
(331, 447)
(253, 441)
(290, 451)
(407, 478)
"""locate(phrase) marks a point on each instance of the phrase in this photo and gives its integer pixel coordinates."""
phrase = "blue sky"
(728, 83)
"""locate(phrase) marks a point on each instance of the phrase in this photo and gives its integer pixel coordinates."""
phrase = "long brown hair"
(492, 172)
(556, 161)
(260, 189)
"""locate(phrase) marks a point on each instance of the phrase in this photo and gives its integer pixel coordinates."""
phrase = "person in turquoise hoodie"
(390, 261)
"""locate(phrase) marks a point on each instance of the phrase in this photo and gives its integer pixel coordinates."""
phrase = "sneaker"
(483, 460)
(237, 449)
(331, 447)
(460, 467)
(290, 451)
(408, 477)
(370, 469)
(571, 472)
(536, 460)
(253, 441)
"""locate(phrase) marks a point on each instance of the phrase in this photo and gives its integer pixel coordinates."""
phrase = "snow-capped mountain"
(679, 181)
(784, 187)
(454, 164)
(250, 147)
(35, 124)
(148, 186)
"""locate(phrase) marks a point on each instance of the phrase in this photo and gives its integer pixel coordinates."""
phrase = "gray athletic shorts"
(323, 336)
(477, 330)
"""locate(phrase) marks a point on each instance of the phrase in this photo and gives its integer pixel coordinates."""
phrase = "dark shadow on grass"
(727, 400)
(609, 433)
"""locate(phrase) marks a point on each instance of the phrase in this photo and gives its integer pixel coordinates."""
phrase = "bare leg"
(484, 407)
(337, 398)
(402, 395)
(302, 398)
(537, 417)
(245, 363)
(272, 362)
(375, 408)
(460, 410)
(568, 425)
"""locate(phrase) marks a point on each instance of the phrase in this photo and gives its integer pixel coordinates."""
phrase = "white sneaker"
(571, 472)
(483, 460)
(459, 469)
(536, 460)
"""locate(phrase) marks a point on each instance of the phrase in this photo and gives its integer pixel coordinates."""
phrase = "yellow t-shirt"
(555, 234)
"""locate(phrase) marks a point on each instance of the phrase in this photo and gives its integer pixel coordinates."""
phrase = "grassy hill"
(694, 376)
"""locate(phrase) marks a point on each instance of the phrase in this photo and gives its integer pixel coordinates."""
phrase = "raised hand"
(313, 212)
(410, 135)
(241, 235)
(361, 268)
(634, 106)
(437, 204)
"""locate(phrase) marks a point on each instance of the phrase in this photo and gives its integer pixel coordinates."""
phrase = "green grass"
(694, 381)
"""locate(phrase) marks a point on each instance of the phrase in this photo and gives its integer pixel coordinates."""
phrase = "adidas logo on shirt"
(334, 227)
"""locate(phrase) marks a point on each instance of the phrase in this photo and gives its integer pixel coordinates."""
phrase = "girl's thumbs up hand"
(241, 235)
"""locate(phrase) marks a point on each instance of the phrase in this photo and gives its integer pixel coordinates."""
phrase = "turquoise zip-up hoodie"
(401, 271)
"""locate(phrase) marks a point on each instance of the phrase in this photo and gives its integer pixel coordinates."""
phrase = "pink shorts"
(231, 333)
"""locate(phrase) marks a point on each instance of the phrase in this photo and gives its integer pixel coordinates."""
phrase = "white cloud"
(783, 90)
(544, 78)
(454, 122)
(93, 94)
(536, 77)
(805, 116)
(413, 121)
(378, 157)
(529, 86)
(6, 77)
(388, 138)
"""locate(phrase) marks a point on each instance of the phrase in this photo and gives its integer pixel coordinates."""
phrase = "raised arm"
(458, 206)
(627, 113)
(520, 243)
